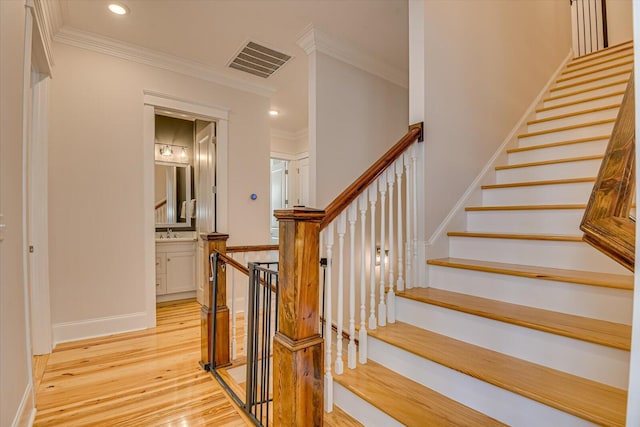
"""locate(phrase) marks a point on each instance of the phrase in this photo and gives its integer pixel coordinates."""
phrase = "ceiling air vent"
(258, 60)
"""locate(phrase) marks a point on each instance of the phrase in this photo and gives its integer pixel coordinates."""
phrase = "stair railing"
(607, 222)
(370, 263)
(589, 23)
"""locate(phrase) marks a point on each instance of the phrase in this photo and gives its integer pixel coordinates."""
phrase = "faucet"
(168, 233)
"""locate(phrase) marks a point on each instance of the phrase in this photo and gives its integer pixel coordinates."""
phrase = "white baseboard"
(437, 244)
(176, 296)
(26, 413)
(91, 328)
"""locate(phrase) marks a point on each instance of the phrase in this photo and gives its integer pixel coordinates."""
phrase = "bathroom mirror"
(174, 207)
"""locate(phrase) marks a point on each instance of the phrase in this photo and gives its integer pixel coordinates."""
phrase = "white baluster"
(341, 228)
(328, 377)
(391, 295)
(351, 349)
(245, 322)
(414, 203)
(400, 281)
(373, 198)
(409, 233)
(382, 308)
(362, 333)
(234, 345)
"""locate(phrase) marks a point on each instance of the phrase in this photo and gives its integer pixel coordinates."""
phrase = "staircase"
(523, 324)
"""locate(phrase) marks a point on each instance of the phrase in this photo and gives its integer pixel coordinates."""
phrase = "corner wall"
(96, 206)
(16, 403)
(484, 62)
(358, 116)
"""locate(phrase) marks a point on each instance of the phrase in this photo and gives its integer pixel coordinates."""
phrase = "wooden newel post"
(218, 242)
(298, 349)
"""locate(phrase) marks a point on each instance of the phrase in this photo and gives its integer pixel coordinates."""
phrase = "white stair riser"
(568, 88)
(613, 305)
(578, 169)
(548, 221)
(585, 105)
(566, 135)
(609, 113)
(585, 95)
(361, 410)
(545, 253)
(573, 193)
(616, 58)
(505, 406)
(591, 148)
(557, 352)
(594, 72)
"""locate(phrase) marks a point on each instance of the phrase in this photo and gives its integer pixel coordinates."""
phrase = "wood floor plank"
(610, 334)
(143, 378)
(616, 281)
(407, 401)
(596, 402)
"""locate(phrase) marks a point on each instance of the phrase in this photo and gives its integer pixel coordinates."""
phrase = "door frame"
(220, 115)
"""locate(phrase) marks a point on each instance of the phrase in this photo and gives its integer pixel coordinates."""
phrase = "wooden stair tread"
(533, 183)
(549, 162)
(610, 334)
(589, 89)
(595, 402)
(607, 280)
(339, 418)
(563, 128)
(580, 101)
(594, 79)
(611, 50)
(597, 70)
(580, 67)
(410, 403)
(515, 236)
(522, 207)
(559, 144)
(573, 114)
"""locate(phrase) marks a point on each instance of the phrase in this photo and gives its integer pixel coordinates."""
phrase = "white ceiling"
(209, 32)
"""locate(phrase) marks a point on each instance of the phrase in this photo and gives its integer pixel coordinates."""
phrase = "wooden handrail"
(345, 198)
(161, 203)
(606, 222)
(252, 248)
(238, 266)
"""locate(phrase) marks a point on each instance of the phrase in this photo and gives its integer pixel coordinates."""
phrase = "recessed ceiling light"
(118, 8)
(273, 112)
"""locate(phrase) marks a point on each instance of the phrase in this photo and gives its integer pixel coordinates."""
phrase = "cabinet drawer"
(161, 284)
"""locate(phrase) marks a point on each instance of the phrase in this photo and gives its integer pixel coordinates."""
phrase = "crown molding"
(313, 40)
(289, 136)
(47, 17)
(135, 53)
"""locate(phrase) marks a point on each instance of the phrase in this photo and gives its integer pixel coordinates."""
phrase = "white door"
(205, 178)
(279, 200)
(588, 26)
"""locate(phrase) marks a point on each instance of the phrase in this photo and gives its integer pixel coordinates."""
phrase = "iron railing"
(262, 322)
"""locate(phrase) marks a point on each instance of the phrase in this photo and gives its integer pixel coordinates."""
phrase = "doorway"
(213, 212)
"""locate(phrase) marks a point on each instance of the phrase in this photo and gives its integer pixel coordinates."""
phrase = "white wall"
(14, 358)
(96, 204)
(358, 116)
(619, 21)
(484, 63)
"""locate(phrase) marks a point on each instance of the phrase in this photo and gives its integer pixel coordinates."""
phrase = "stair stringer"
(437, 245)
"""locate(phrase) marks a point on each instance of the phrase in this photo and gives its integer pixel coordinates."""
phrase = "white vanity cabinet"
(175, 269)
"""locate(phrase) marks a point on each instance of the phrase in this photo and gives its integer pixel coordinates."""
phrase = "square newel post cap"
(214, 236)
(300, 213)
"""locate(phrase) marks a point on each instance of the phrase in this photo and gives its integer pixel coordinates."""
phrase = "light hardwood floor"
(145, 378)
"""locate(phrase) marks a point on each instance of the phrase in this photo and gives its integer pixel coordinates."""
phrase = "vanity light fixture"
(118, 8)
(183, 153)
(166, 151)
(273, 113)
